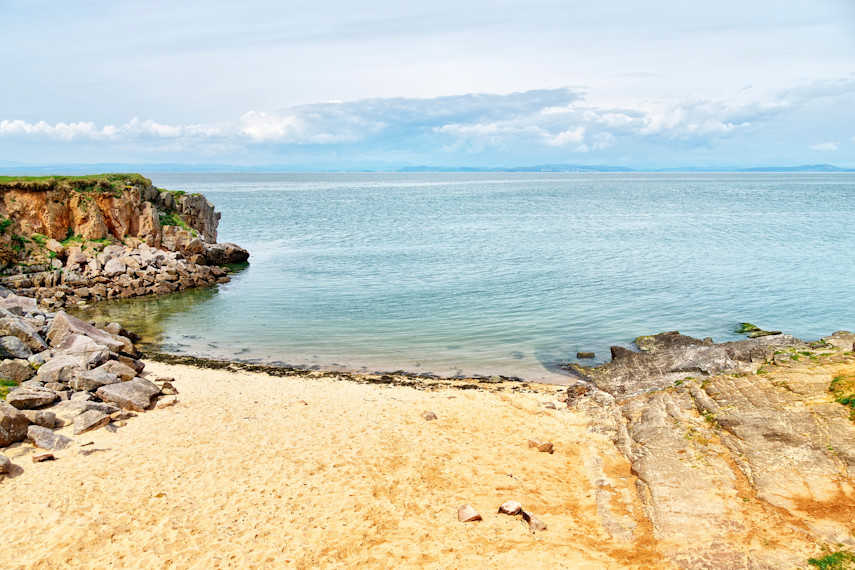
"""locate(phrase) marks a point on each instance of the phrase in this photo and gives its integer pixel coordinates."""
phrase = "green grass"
(114, 184)
(4, 225)
(6, 387)
(72, 239)
(173, 219)
(843, 390)
(840, 560)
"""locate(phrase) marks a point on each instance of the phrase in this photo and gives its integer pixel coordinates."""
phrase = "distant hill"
(16, 168)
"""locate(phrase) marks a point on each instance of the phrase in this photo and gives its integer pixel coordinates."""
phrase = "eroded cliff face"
(119, 209)
(744, 452)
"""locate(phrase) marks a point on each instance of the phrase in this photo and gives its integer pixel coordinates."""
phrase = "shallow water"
(508, 273)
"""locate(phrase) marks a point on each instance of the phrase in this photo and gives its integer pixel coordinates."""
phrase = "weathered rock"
(90, 420)
(542, 446)
(41, 418)
(534, 523)
(60, 369)
(166, 402)
(82, 396)
(121, 416)
(25, 398)
(510, 508)
(167, 389)
(5, 464)
(13, 425)
(465, 513)
(133, 395)
(17, 370)
(56, 247)
(672, 339)
(225, 253)
(115, 267)
(429, 416)
(64, 325)
(57, 387)
(123, 371)
(843, 340)
(66, 412)
(676, 358)
(87, 351)
(585, 355)
(13, 347)
(47, 439)
(19, 305)
(91, 380)
(44, 457)
(17, 327)
(753, 331)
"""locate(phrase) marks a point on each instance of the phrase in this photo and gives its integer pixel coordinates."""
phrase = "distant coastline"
(23, 168)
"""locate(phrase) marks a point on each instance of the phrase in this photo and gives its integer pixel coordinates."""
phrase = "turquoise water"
(510, 273)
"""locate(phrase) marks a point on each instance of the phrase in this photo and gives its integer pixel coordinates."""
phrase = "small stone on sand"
(510, 508)
(465, 513)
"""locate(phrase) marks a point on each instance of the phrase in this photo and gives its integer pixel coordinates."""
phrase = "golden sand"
(251, 471)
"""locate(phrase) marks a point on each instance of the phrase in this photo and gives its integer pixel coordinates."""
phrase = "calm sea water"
(509, 273)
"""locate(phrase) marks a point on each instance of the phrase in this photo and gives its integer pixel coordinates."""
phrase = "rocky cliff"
(743, 452)
(58, 234)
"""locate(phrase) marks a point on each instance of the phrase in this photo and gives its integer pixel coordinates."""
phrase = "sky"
(383, 84)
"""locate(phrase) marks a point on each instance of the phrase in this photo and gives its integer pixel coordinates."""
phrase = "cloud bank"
(549, 123)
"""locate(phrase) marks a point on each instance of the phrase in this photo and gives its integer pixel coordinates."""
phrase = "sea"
(506, 273)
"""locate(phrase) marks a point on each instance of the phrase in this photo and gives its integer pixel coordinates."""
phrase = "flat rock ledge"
(748, 438)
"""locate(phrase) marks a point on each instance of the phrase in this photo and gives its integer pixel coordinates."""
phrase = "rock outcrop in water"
(72, 239)
(744, 452)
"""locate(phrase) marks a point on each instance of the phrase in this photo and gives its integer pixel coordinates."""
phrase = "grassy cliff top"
(105, 182)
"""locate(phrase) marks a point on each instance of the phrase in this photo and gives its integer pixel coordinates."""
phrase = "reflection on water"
(147, 316)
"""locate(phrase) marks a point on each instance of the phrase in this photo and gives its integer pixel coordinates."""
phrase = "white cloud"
(825, 147)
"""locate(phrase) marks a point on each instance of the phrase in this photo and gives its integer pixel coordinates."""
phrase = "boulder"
(225, 253)
(41, 418)
(133, 395)
(87, 351)
(13, 347)
(118, 369)
(46, 439)
(465, 513)
(82, 396)
(19, 305)
(56, 247)
(17, 370)
(843, 340)
(17, 327)
(90, 420)
(60, 369)
(64, 325)
(114, 268)
(25, 398)
(13, 425)
(91, 380)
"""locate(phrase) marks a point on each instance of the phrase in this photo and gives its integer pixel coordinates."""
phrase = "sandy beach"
(248, 470)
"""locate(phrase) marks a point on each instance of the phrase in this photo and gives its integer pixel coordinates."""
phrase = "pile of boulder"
(121, 271)
(68, 373)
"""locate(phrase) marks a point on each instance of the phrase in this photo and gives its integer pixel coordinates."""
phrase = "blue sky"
(500, 83)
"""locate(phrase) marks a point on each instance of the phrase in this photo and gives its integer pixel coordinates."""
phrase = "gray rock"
(82, 396)
(843, 340)
(64, 325)
(114, 268)
(5, 464)
(23, 304)
(465, 513)
(13, 425)
(57, 386)
(34, 383)
(13, 347)
(46, 439)
(37, 360)
(60, 369)
(41, 418)
(17, 327)
(91, 380)
(25, 398)
(133, 395)
(86, 350)
(510, 508)
(18, 370)
(67, 411)
(90, 420)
